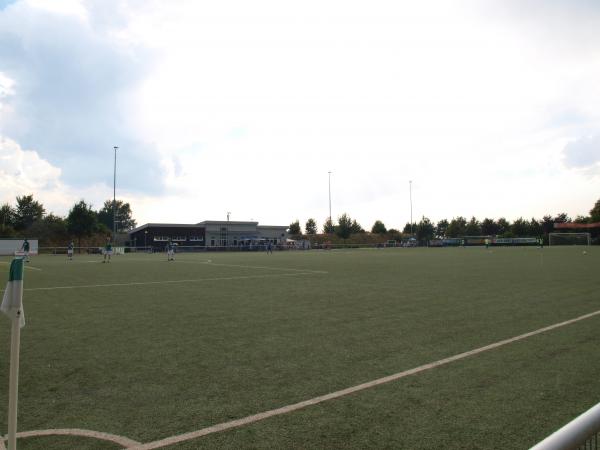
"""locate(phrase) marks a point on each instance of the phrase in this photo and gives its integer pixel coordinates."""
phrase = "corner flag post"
(12, 306)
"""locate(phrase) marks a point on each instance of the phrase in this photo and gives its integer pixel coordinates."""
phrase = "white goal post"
(569, 239)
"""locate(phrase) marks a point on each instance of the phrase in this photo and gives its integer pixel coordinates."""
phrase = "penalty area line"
(341, 393)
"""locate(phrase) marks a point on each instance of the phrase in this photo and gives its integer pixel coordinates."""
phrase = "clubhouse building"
(212, 234)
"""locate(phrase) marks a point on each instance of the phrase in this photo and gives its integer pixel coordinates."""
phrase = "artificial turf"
(151, 349)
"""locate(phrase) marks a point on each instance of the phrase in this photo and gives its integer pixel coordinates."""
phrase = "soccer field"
(145, 349)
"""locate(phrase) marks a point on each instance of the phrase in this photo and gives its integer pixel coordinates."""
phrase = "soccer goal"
(569, 239)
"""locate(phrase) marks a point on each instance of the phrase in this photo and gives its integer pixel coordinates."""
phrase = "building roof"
(225, 222)
(166, 225)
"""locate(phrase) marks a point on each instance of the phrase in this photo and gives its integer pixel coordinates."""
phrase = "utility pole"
(330, 220)
(115, 198)
(410, 195)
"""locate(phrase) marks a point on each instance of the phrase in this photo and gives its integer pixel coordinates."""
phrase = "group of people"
(107, 250)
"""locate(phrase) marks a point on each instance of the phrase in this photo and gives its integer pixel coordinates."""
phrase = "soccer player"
(170, 251)
(25, 249)
(108, 250)
(70, 248)
(269, 248)
(487, 243)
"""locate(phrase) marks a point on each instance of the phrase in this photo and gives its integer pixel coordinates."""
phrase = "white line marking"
(24, 265)
(197, 280)
(337, 394)
(120, 440)
(253, 267)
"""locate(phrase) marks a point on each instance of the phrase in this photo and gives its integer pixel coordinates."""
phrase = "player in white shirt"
(170, 251)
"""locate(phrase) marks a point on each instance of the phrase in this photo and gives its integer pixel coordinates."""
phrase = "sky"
(489, 108)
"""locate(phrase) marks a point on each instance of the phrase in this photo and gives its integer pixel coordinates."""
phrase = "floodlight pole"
(115, 197)
(330, 220)
(227, 238)
(410, 196)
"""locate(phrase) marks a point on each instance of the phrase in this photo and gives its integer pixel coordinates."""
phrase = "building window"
(180, 238)
(212, 242)
(161, 238)
(196, 238)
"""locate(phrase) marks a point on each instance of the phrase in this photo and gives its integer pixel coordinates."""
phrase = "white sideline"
(27, 267)
(197, 280)
(337, 394)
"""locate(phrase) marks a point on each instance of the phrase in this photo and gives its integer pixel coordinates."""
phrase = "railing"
(583, 433)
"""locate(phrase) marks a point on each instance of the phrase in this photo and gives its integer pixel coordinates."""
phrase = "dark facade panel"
(157, 236)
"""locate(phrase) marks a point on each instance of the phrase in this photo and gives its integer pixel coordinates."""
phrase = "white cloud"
(583, 152)
(24, 172)
(249, 104)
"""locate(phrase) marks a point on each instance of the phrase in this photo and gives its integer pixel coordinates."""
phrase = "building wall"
(158, 236)
(207, 233)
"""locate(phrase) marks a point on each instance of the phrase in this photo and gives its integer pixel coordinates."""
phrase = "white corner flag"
(12, 302)
(12, 306)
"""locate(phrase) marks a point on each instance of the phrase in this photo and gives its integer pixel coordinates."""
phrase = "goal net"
(569, 239)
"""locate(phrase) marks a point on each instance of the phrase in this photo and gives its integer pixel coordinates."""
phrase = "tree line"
(459, 226)
(28, 218)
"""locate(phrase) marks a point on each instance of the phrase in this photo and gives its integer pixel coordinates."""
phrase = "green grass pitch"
(148, 349)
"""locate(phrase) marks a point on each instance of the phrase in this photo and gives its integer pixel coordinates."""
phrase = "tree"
(441, 228)
(125, 221)
(503, 226)
(595, 212)
(394, 234)
(27, 211)
(408, 228)
(489, 227)
(311, 226)
(356, 228)
(7, 215)
(344, 227)
(328, 226)
(295, 228)
(82, 221)
(582, 219)
(425, 230)
(535, 227)
(473, 227)
(562, 218)
(378, 227)
(457, 227)
(6, 220)
(547, 224)
(520, 228)
(51, 229)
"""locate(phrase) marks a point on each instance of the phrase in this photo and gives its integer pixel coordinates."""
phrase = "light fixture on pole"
(115, 197)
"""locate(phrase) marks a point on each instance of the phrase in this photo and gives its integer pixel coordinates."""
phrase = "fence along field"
(151, 349)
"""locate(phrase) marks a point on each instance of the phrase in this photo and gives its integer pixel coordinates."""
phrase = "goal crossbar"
(569, 239)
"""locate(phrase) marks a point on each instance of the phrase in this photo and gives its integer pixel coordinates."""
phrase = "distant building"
(209, 234)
